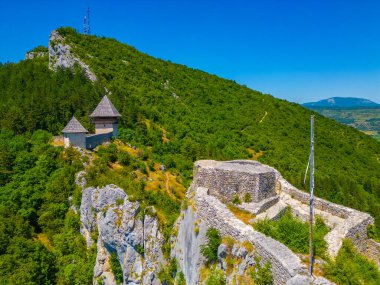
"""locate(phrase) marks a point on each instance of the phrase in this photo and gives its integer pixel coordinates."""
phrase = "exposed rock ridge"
(122, 229)
(35, 54)
(60, 55)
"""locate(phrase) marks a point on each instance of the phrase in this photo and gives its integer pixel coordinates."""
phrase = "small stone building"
(105, 117)
(74, 134)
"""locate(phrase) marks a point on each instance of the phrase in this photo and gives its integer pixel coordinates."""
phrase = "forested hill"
(181, 115)
(342, 102)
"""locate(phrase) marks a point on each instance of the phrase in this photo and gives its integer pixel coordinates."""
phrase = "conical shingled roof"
(105, 109)
(74, 127)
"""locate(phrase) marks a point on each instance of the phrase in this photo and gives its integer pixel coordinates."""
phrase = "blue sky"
(296, 50)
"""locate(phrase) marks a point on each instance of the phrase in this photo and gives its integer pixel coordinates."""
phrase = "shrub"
(350, 267)
(236, 200)
(180, 279)
(140, 249)
(294, 233)
(262, 274)
(124, 158)
(210, 250)
(167, 273)
(116, 268)
(196, 229)
(247, 198)
(216, 277)
(373, 233)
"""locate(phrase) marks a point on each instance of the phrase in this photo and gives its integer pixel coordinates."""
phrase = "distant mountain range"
(342, 102)
(362, 114)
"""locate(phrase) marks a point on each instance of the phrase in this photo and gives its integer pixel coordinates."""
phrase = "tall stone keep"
(105, 117)
(74, 134)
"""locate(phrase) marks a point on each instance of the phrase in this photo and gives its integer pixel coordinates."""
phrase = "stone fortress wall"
(216, 183)
(225, 180)
(285, 264)
(353, 226)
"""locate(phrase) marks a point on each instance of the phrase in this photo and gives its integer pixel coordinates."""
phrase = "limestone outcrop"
(125, 230)
(60, 55)
(34, 54)
(118, 226)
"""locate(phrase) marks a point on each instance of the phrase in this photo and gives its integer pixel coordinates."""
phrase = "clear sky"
(296, 50)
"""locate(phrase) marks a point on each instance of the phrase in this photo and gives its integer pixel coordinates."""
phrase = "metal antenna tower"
(88, 22)
(85, 25)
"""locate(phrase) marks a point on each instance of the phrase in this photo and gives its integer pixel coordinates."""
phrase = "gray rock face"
(187, 246)
(222, 251)
(60, 56)
(305, 280)
(34, 54)
(133, 236)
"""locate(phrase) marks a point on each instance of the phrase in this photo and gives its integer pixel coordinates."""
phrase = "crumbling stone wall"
(354, 225)
(373, 251)
(230, 178)
(224, 180)
(285, 264)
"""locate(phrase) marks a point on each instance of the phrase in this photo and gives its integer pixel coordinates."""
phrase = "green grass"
(352, 268)
(294, 233)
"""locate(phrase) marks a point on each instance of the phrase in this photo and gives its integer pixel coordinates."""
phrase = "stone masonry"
(285, 264)
(227, 179)
(216, 183)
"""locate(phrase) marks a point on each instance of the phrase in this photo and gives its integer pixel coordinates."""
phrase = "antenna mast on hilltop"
(86, 23)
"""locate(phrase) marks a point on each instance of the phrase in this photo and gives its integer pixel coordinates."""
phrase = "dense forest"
(40, 242)
(174, 113)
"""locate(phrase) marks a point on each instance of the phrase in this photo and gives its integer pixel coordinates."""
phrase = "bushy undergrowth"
(210, 249)
(40, 242)
(262, 273)
(294, 233)
(216, 277)
(116, 268)
(352, 268)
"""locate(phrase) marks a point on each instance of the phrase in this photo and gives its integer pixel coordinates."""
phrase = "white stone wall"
(373, 251)
(230, 178)
(353, 226)
(285, 264)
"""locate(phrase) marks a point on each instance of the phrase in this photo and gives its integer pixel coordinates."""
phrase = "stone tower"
(74, 134)
(105, 117)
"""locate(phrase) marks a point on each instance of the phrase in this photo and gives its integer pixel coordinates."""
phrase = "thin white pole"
(311, 194)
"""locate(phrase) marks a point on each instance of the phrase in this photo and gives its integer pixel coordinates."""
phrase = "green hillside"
(181, 115)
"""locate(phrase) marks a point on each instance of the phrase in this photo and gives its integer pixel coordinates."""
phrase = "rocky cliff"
(120, 226)
(60, 55)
